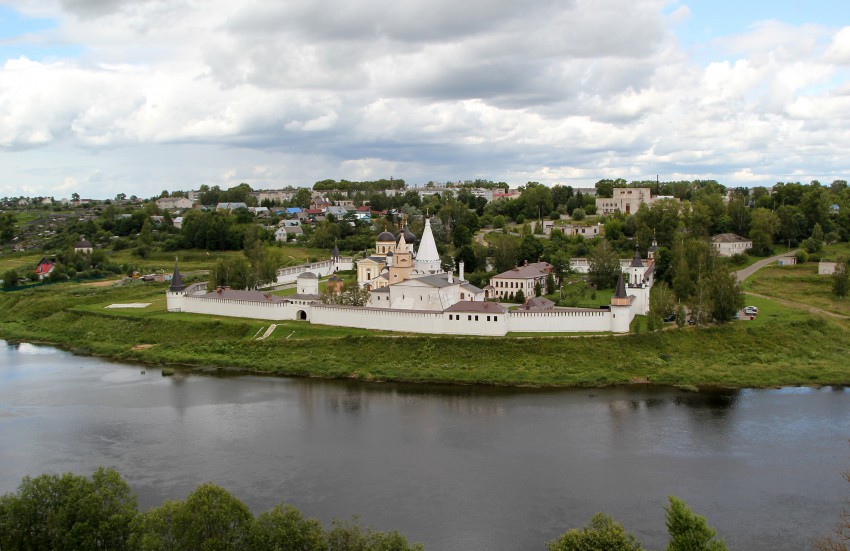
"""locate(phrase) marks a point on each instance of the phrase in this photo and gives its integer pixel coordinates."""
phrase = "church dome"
(386, 236)
(409, 235)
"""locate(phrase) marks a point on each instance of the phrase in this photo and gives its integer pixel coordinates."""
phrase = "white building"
(728, 244)
(521, 278)
(171, 203)
(626, 200)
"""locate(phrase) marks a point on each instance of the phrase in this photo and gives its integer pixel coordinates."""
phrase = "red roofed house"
(44, 268)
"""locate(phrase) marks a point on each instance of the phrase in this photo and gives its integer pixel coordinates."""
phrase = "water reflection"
(457, 467)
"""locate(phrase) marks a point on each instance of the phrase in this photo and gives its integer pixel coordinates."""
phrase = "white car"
(751, 311)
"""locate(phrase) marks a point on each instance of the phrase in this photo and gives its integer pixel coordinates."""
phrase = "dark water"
(457, 468)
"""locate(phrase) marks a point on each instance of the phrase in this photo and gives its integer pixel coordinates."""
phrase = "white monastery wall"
(321, 269)
(560, 321)
(243, 308)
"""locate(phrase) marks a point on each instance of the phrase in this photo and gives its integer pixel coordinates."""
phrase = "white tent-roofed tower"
(427, 257)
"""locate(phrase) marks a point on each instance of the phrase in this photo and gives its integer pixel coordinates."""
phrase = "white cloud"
(544, 90)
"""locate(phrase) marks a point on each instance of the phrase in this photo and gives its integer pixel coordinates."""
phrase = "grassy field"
(800, 284)
(742, 354)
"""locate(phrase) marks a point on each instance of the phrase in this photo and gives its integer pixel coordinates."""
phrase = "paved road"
(753, 268)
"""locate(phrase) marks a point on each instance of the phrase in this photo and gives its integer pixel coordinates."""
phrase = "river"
(456, 468)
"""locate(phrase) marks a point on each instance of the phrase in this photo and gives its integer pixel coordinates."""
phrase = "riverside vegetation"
(783, 346)
(69, 511)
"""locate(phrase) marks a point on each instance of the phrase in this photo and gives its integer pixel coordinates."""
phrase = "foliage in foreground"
(687, 531)
(70, 512)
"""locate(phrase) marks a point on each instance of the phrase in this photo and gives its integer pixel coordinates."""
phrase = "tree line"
(71, 512)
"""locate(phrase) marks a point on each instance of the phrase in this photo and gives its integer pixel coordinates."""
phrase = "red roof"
(313, 211)
(44, 267)
(364, 208)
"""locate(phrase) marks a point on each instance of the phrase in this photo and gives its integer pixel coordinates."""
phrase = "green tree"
(530, 249)
(7, 227)
(601, 533)
(604, 266)
(661, 305)
(10, 279)
(840, 279)
(688, 531)
(210, 519)
(232, 271)
(68, 512)
(349, 536)
(550, 284)
(519, 297)
(764, 227)
(284, 528)
(578, 214)
(726, 295)
(505, 251)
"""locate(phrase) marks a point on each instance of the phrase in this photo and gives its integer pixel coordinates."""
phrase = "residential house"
(83, 246)
(728, 244)
(45, 268)
(523, 278)
(170, 203)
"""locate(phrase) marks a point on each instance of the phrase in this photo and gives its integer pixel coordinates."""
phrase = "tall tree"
(726, 295)
(764, 226)
(840, 279)
(604, 266)
(68, 512)
(688, 531)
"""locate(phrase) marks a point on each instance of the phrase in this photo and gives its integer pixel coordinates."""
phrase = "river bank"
(784, 347)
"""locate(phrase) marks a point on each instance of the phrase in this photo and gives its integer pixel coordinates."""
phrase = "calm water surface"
(457, 468)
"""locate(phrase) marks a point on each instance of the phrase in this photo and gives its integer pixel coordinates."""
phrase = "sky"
(101, 97)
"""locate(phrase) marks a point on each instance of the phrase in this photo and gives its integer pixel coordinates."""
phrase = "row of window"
(456, 317)
(517, 284)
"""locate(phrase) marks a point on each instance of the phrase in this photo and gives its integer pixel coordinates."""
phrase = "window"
(476, 318)
(468, 318)
(488, 318)
(495, 318)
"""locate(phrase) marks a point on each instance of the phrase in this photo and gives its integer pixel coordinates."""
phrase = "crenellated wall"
(571, 320)
(321, 269)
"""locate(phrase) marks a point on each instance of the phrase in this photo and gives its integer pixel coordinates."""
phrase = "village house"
(521, 278)
(172, 203)
(44, 268)
(728, 244)
(83, 246)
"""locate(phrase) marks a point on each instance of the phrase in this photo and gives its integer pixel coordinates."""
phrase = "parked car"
(670, 317)
(751, 311)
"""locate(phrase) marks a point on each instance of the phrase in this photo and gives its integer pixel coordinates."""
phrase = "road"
(753, 268)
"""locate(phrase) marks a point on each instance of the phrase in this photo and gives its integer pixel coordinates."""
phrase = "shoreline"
(782, 348)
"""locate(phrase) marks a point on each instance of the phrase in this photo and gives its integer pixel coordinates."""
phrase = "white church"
(409, 292)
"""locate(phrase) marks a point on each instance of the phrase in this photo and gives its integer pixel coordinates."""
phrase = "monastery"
(410, 292)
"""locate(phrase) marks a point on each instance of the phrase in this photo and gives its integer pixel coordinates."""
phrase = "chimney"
(526, 262)
(460, 273)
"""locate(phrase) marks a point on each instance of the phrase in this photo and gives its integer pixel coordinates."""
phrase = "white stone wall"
(408, 321)
(276, 311)
(321, 269)
(560, 321)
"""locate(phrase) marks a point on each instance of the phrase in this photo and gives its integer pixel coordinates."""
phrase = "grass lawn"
(799, 284)
(19, 261)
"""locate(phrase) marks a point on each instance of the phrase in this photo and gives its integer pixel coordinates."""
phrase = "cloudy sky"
(106, 96)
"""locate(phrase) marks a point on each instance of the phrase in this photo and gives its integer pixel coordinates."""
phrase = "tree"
(840, 279)
(604, 266)
(601, 533)
(68, 512)
(764, 226)
(210, 519)
(349, 536)
(232, 271)
(726, 295)
(578, 214)
(530, 249)
(550, 284)
(10, 279)
(284, 528)
(519, 297)
(661, 305)
(7, 227)
(688, 531)
(505, 250)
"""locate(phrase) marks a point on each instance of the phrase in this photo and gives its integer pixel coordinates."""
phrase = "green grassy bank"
(785, 346)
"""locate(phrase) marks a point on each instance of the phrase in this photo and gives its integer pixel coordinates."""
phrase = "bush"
(802, 257)
(579, 214)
